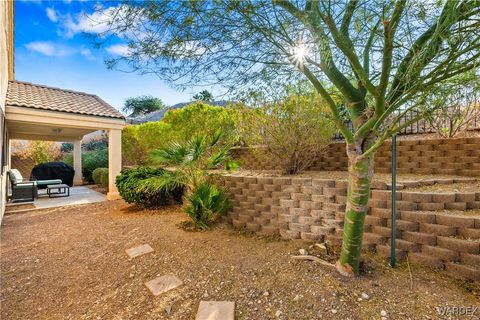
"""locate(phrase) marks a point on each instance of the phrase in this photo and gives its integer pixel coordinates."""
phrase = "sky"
(53, 48)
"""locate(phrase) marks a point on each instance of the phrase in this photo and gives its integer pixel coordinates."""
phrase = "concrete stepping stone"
(138, 251)
(163, 284)
(216, 310)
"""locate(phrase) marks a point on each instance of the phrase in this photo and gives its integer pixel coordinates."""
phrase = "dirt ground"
(70, 263)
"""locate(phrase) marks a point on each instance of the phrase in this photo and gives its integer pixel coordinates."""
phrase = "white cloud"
(94, 23)
(43, 47)
(49, 48)
(52, 14)
(119, 50)
(87, 53)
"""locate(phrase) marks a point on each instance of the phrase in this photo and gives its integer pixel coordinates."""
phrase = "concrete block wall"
(458, 156)
(313, 210)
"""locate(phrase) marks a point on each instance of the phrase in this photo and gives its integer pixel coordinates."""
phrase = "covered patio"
(37, 112)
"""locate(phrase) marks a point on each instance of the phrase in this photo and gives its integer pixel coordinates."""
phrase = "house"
(37, 112)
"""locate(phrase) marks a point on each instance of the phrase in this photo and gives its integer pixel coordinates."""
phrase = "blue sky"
(52, 47)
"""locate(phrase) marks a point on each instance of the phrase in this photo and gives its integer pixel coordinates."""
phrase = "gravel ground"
(70, 263)
(343, 175)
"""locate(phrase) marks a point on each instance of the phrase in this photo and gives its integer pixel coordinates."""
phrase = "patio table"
(62, 190)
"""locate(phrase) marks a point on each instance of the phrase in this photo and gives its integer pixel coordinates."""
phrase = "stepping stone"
(216, 310)
(163, 284)
(138, 251)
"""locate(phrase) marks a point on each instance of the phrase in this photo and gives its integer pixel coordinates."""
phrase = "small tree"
(142, 105)
(381, 56)
(294, 131)
(204, 96)
(460, 109)
(38, 151)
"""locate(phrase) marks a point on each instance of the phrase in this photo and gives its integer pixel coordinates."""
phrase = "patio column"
(114, 162)
(77, 162)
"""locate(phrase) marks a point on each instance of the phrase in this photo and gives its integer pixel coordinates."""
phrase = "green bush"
(90, 161)
(134, 185)
(93, 160)
(206, 204)
(178, 125)
(100, 177)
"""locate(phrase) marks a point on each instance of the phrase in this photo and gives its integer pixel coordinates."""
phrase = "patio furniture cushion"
(25, 185)
(47, 182)
(15, 176)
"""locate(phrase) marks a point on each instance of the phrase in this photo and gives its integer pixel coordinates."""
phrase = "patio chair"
(24, 190)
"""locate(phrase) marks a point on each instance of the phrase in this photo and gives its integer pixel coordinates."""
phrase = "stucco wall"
(6, 73)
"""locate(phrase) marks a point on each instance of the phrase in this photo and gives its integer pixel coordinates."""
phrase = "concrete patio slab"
(78, 195)
(139, 251)
(163, 284)
(216, 310)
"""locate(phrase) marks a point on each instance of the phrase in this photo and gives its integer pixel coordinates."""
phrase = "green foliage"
(90, 161)
(144, 186)
(206, 204)
(93, 160)
(178, 125)
(204, 96)
(193, 162)
(100, 177)
(142, 105)
(295, 130)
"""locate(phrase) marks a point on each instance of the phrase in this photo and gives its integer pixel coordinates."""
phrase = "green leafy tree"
(382, 57)
(204, 96)
(142, 105)
(178, 125)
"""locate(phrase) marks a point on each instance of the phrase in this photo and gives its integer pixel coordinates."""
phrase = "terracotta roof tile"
(29, 95)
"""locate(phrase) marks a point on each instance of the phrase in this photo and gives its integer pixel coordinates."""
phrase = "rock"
(365, 296)
(383, 313)
(297, 298)
(278, 313)
(334, 311)
(303, 252)
(168, 309)
(266, 294)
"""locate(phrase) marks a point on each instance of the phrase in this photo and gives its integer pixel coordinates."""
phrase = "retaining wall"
(458, 156)
(313, 210)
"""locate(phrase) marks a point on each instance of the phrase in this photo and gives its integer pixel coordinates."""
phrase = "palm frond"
(173, 154)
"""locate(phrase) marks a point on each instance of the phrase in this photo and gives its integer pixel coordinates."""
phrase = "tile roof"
(29, 95)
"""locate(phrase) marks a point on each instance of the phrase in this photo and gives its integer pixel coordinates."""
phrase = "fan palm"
(190, 166)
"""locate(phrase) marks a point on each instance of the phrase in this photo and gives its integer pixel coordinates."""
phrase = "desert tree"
(383, 57)
(142, 105)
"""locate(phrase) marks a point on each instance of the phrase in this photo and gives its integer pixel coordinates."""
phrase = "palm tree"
(191, 166)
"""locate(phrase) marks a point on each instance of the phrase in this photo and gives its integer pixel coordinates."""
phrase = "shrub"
(294, 130)
(178, 125)
(134, 187)
(90, 161)
(100, 177)
(206, 204)
(193, 162)
(93, 160)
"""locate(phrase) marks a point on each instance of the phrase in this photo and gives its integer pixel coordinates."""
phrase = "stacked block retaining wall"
(313, 210)
(458, 156)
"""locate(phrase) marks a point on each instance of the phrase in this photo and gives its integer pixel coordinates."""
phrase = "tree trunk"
(360, 174)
